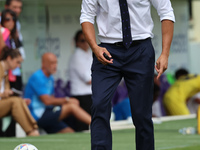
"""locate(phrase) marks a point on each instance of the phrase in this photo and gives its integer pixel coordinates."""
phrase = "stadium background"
(49, 25)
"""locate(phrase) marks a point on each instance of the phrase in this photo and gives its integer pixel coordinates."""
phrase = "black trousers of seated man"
(85, 103)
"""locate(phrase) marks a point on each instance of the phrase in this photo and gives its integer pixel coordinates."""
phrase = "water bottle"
(188, 130)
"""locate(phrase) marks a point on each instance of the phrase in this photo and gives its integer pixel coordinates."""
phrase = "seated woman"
(10, 105)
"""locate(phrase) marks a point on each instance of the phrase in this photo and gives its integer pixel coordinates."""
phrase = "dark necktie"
(126, 27)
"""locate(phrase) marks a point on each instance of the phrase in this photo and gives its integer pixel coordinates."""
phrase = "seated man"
(45, 108)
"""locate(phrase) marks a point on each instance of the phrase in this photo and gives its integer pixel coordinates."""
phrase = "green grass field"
(167, 137)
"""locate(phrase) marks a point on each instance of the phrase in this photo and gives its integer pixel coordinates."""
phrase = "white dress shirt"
(80, 72)
(108, 17)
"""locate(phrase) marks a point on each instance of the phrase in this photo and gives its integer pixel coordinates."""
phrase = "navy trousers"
(136, 65)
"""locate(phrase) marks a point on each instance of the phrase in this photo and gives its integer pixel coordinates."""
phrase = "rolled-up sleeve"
(164, 9)
(88, 11)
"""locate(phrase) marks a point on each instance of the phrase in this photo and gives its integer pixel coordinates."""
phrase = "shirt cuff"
(168, 16)
(85, 18)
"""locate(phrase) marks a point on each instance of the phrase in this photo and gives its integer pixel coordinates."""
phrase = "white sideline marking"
(172, 118)
(125, 124)
(166, 148)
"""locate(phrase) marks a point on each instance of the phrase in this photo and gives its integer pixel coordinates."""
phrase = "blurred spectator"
(121, 103)
(177, 96)
(16, 6)
(15, 77)
(80, 75)
(48, 110)
(156, 108)
(59, 90)
(192, 103)
(8, 20)
(10, 105)
(161, 85)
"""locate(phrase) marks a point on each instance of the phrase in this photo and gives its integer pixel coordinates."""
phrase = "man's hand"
(89, 32)
(161, 65)
(98, 51)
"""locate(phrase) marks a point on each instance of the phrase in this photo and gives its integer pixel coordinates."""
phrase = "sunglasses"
(9, 19)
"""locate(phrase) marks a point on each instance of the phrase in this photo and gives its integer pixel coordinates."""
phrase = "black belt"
(120, 44)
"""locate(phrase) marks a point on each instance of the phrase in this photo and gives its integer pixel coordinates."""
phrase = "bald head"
(48, 56)
(49, 63)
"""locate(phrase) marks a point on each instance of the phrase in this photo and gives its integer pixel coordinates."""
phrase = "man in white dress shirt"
(125, 32)
(80, 76)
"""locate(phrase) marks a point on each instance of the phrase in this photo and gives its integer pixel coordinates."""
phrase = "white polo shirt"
(80, 72)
